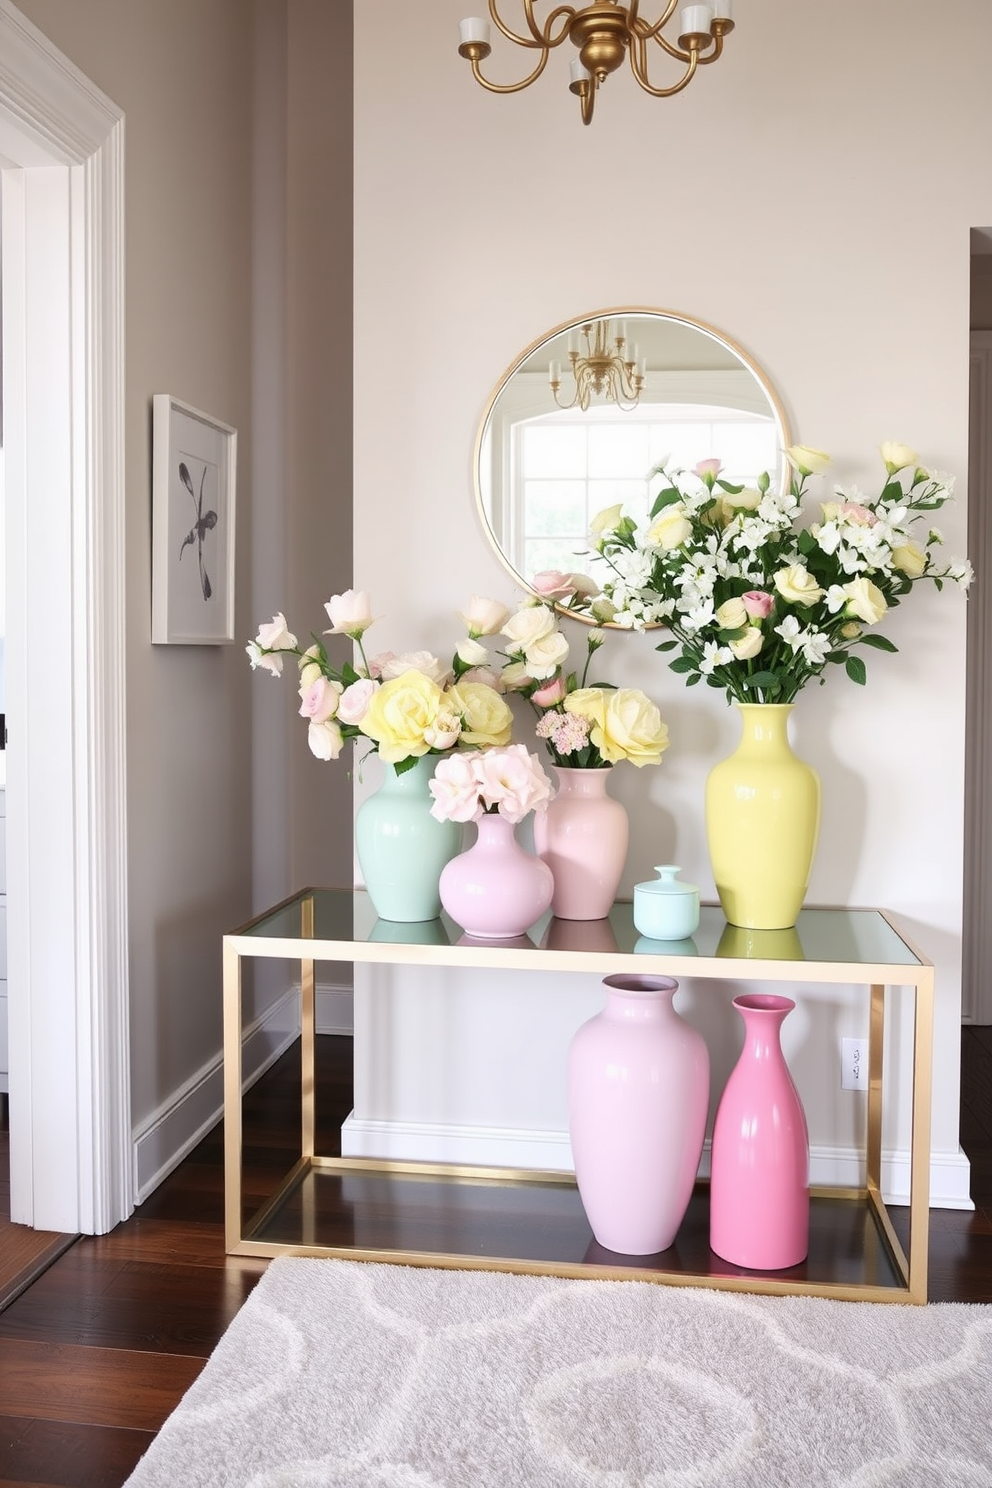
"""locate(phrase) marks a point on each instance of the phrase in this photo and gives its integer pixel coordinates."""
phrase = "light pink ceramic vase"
(638, 1092)
(495, 890)
(759, 1176)
(583, 839)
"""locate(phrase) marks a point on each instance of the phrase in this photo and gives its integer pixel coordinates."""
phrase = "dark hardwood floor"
(99, 1349)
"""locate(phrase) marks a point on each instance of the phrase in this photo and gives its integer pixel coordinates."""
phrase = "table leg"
(307, 1045)
(919, 1175)
(876, 1046)
(232, 1098)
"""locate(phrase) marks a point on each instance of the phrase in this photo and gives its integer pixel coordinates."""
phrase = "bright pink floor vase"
(638, 1092)
(759, 1176)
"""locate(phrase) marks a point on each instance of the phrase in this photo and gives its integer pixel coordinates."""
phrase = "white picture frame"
(194, 468)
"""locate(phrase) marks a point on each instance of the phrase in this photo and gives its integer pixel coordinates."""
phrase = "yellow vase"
(762, 820)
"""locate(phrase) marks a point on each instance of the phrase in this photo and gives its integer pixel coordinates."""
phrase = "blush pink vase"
(759, 1176)
(638, 1092)
(495, 890)
(583, 839)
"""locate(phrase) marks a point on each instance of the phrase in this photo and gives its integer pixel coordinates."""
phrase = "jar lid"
(666, 882)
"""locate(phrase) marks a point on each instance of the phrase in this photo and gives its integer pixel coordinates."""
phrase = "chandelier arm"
(644, 28)
(509, 87)
(586, 90)
(638, 66)
(715, 51)
(537, 37)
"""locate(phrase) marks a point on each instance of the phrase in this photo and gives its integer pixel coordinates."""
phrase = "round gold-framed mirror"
(584, 414)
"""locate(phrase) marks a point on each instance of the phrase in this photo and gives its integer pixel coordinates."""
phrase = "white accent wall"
(811, 198)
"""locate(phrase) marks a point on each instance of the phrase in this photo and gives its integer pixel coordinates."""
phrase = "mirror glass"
(542, 471)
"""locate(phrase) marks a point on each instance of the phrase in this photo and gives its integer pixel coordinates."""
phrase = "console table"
(459, 1216)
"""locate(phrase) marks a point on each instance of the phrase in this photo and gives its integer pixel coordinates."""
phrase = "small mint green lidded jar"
(665, 908)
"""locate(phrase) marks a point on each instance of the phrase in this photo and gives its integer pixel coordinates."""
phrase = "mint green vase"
(401, 847)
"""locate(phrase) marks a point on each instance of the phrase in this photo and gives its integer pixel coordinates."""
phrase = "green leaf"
(731, 490)
(693, 680)
(880, 642)
(667, 646)
(403, 765)
(856, 670)
(667, 497)
(765, 680)
(682, 664)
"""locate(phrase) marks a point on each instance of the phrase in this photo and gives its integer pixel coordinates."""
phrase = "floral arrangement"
(758, 604)
(584, 727)
(509, 781)
(405, 705)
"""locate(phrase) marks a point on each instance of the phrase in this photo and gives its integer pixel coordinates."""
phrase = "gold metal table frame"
(840, 946)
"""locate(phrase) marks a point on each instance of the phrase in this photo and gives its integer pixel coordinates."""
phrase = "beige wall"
(761, 201)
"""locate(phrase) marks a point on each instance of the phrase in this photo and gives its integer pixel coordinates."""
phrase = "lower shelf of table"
(539, 1226)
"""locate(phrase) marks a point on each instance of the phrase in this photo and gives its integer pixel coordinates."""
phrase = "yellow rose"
(748, 645)
(896, 457)
(747, 500)
(626, 725)
(864, 601)
(670, 528)
(486, 717)
(806, 459)
(731, 615)
(399, 715)
(910, 559)
(797, 585)
(606, 520)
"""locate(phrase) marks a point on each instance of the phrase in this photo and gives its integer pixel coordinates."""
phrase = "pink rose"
(485, 675)
(860, 515)
(320, 699)
(354, 701)
(758, 604)
(551, 583)
(513, 781)
(455, 790)
(350, 613)
(378, 662)
(551, 693)
(707, 470)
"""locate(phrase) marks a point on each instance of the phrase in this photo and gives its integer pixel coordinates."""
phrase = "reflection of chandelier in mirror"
(614, 373)
(605, 33)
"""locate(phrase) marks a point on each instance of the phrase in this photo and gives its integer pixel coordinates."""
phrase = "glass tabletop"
(347, 917)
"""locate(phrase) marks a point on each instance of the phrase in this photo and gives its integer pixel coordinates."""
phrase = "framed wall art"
(194, 465)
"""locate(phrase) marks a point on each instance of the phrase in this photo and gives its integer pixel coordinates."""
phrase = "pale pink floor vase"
(638, 1093)
(759, 1176)
(583, 839)
(496, 889)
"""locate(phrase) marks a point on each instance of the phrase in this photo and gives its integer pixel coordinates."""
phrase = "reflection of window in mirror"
(566, 467)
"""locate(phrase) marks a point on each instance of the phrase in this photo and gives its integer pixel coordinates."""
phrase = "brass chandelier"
(614, 372)
(605, 33)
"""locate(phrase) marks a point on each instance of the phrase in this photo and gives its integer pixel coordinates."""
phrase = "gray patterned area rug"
(339, 1374)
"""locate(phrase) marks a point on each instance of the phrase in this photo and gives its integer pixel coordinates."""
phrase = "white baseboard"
(505, 1147)
(170, 1133)
(485, 1146)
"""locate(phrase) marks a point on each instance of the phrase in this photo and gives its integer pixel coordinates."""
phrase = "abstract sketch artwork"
(193, 480)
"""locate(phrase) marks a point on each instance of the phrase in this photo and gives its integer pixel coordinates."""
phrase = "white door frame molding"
(61, 149)
(976, 1003)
